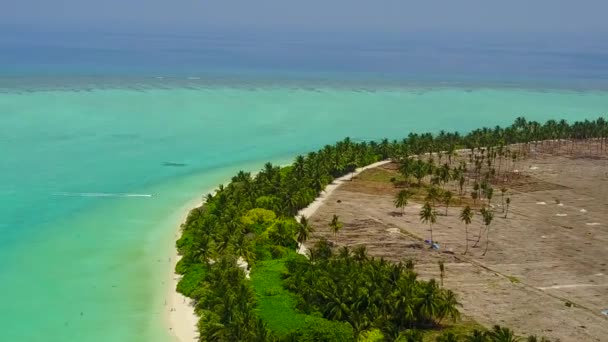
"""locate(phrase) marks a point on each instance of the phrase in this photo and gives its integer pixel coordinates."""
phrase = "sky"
(353, 16)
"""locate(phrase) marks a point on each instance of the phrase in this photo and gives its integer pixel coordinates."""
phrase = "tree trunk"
(487, 240)
(431, 226)
(466, 236)
(478, 236)
(499, 165)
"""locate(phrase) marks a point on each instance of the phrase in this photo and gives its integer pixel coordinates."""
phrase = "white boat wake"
(99, 194)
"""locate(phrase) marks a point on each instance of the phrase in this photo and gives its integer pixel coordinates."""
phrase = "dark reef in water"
(170, 164)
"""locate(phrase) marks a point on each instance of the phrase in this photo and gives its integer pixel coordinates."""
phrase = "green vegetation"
(402, 199)
(513, 279)
(461, 329)
(192, 280)
(352, 297)
(367, 293)
(466, 216)
(253, 218)
(428, 215)
(276, 305)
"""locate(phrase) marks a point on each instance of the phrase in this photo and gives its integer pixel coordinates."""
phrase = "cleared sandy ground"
(551, 250)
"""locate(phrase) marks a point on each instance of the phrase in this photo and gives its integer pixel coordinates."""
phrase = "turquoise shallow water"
(88, 206)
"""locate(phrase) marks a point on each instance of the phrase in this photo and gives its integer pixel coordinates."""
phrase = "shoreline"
(180, 317)
(181, 320)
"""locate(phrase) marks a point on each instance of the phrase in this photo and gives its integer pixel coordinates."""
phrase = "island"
(498, 234)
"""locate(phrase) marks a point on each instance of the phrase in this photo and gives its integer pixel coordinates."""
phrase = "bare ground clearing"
(551, 250)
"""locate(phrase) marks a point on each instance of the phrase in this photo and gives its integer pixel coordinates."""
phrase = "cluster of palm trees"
(489, 159)
(526, 135)
(367, 293)
(480, 168)
(436, 192)
(226, 305)
(217, 228)
(252, 217)
(496, 334)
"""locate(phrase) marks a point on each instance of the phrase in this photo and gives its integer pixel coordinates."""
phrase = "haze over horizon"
(484, 40)
(384, 16)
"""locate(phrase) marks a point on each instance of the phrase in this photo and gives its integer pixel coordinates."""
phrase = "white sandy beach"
(180, 313)
(316, 204)
(312, 207)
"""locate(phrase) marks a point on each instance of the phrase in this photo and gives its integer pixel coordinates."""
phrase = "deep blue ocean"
(548, 60)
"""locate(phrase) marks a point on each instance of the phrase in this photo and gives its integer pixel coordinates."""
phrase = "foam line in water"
(99, 194)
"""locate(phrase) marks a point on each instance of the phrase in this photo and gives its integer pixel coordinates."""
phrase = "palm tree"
(299, 166)
(405, 168)
(447, 197)
(483, 213)
(488, 216)
(429, 305)
(448, 305)
(401, 199)
(262, 334)
(335, 225)
(441, 271)
(444, 174)
(360, 253)
(242, 246)
(447, 337)
(461, 181)
(304, 230)
(489, 193)
(344, 252)
(474, 196)
(476, 187)
(428, 215)
(420, 170)
(466, 216)
(432, 195)
(410, 335)
(203, 248)
(409, 265)
(283, 234)
(224, 241)
(503, 191)
(500, 334)
(476, 336)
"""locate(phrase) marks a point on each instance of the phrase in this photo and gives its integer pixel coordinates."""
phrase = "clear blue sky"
(382, 16)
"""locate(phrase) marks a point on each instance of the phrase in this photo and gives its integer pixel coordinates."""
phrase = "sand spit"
(181, 317)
